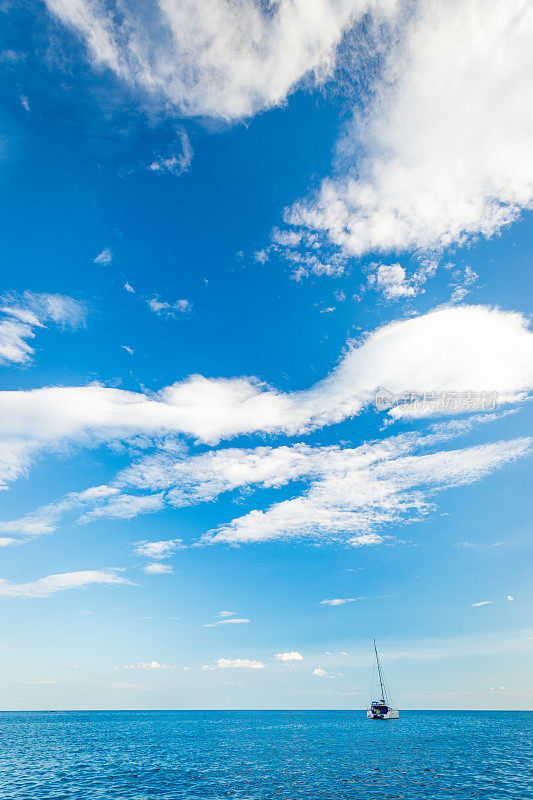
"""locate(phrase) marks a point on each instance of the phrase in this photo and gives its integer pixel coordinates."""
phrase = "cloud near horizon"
(289, 658)
(234, 663)
(150, 665)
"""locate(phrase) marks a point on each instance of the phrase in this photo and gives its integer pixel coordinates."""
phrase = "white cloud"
(44, 519)
(339, 601)
(149, 665)
(481, 350)
(238, 663)
(135, 687)
(129, 350)
(462, 283)
(176, 163)
(129, 288)
(43, 683)
(125, 506)
(105, 257)
(226, 613)
(22, 313)
(319, 672)
(509, 597)
(217, 58)
(169, 309)
(155, 550)
(483, 603)
(156, 568)
(44, 587)
(350, 499)
(443, 153)
(367, 539)
(16, 456)
(13, 345)
(233, 621)
(349, 494)
(289, 658)
(390, 280)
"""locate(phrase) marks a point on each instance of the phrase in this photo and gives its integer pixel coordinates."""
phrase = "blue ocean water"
(258, 755)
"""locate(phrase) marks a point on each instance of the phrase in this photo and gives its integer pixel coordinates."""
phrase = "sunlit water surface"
(149, 755)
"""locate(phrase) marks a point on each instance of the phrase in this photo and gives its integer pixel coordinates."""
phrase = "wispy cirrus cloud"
(348, 494)
(449, 648)
(352, 493)
(21, 314)
(157, 568)
(164, 308)
(340, 601)
(124, 506)
(178, 161)
(51, 584)
(481, 350)
(104, 257)
(355, 504)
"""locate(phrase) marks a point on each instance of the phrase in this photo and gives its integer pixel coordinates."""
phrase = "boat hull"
(392, 713)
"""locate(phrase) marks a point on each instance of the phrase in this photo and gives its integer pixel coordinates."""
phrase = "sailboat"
(383, 708)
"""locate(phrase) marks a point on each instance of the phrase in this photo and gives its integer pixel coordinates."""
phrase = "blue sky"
(223, 243)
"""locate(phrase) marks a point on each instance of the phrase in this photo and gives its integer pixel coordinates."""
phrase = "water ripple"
(282, 755)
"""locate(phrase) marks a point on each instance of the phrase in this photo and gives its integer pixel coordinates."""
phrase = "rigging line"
(381, 679)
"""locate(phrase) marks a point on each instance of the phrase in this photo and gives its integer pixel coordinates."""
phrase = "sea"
(260, 755)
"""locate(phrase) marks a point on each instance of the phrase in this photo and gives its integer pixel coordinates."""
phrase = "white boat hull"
(392, 713)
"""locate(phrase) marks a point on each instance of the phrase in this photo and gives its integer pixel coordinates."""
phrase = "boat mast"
(381, 680)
